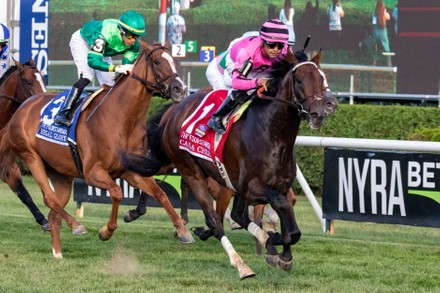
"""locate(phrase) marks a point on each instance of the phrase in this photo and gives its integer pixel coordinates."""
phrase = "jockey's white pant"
(80, 49)
(217, 77)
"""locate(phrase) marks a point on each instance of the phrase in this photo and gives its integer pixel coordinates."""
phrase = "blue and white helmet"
(4, 34)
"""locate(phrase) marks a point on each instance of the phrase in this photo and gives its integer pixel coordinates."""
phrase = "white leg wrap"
(229, 249)
(258, 233)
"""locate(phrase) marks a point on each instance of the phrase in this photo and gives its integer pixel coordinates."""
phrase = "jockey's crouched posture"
(92, 47)
(250, 59)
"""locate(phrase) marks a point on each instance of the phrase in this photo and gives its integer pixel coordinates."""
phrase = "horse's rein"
(159, 85)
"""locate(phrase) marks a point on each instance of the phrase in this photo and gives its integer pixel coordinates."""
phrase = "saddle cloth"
(60, 134)
(197, 138)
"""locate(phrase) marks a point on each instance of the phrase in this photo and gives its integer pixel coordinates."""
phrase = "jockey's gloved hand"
(124, 69)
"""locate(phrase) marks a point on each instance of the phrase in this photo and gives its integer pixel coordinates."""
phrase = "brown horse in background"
(112, 124)
(258, 156)
(18, 83)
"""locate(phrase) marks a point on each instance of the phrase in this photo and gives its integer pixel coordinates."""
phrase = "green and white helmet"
(132, 22)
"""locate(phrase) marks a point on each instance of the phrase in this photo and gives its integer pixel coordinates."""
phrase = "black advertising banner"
(381, 186)
(130, 195)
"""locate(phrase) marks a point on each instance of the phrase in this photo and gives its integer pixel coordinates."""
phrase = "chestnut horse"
(112, 124)
(258, 156)
(18, 83)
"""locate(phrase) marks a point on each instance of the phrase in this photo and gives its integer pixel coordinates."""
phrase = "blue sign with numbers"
(207, 54)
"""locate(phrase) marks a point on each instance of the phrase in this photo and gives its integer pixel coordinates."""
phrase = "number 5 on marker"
(178, 50)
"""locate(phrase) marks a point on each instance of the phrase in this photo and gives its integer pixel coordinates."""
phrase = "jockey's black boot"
(226, 107)
(63, 117)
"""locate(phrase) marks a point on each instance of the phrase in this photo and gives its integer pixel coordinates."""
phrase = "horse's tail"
(149, 164)
(7, 156)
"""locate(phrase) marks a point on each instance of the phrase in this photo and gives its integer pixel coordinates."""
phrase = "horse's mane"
(7, 73)
(279, 71)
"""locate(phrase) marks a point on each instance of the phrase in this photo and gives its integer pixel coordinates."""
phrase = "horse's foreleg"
(290, 233)
(236, 261)
(216, 227)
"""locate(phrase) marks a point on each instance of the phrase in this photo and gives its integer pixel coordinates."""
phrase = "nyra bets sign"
(383, 187)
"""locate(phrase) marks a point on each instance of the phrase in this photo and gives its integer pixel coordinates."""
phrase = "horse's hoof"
(104, 234)
(45, 227)
(57, 255)
(130, 217)
(244, 271)
(79, 230)
(285, 265)
(184, 238)
(235, 226)
(272, 259)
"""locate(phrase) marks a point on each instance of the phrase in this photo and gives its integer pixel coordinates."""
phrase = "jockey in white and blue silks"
(249, 61)
(4, 49)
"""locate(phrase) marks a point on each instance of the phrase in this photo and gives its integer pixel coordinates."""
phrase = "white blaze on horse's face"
(324, 83)
(39, 78)
(170, 60)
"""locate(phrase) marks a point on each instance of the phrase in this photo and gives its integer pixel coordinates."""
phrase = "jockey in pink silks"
(249, 61)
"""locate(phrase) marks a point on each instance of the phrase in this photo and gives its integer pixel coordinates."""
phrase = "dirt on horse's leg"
(149, 186)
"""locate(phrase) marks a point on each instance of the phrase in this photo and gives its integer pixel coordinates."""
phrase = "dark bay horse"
(112, 124)
(20, 82)
(258, 156)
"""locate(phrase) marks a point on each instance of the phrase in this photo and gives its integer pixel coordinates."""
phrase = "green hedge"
(366, 121)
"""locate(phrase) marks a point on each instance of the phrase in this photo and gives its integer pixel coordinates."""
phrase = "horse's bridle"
(20, 83)
(160, 84)
(295, 102)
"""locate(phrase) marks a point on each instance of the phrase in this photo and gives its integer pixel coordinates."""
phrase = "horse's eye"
(29, 82)
(298, 80)
(156, 62)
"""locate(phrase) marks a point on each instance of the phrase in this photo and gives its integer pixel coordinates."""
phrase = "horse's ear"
(32, 63)
(317, 58)
(143, 44)
(15, 62)
(290, 56)
(167, 44)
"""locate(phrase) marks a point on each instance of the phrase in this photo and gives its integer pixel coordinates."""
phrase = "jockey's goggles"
(129, 35)
(274, 44)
